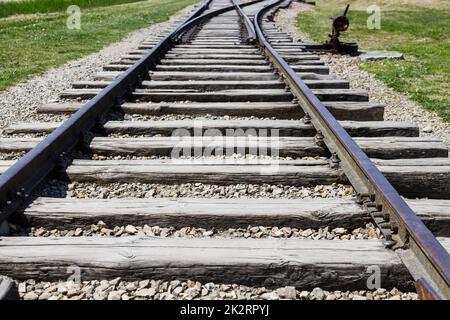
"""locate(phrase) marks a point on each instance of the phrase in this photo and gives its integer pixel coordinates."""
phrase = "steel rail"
(429, 262)
(211, 14)
(246, 22)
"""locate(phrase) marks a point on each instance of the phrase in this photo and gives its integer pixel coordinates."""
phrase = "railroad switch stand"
(341, 24)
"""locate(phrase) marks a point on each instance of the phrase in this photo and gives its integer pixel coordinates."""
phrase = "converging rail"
(295, 128)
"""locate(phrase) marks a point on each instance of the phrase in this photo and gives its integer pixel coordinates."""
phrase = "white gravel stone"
(427, 129)
(146, 293)
(99, 296)
(30, 296)
(317, 294)
(114, 295)
(270, 296)
(130, 229)
(45, 296)
(22, 287)
(287, 293)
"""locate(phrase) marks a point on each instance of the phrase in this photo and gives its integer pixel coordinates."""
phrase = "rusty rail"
(426, 259)
(246, 22)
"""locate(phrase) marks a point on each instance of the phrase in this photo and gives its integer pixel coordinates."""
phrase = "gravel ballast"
(117, 289)
(369, 231)
(170, 117)
(60, 189)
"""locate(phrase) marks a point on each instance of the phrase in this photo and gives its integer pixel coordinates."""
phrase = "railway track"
(175, 112)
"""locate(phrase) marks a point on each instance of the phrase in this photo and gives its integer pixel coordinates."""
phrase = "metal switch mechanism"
(341, 23)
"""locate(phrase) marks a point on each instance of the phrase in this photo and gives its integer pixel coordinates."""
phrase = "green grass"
(421, 34)
(45, 6)
(31, 45)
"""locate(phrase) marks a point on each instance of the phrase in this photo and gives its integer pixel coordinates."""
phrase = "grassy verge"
(45, 6)
(420, 33)
(31, 45)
